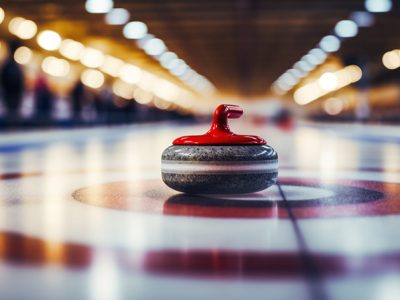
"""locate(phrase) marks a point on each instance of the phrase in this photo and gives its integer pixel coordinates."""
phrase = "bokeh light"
(98, 6)
(142, 97)
(333, 106)
(391, 59)
(346, 29)
(23, 55)
(130, 73)
(135, 30)
(22, 28)
(363, 18)
(111, 65)
(49, 40)
(117, 16)
(154, 47)
(319, 54)
(167, 58)
(123, 89)
(378, 6)
(71, 49)
(2, 15)
(92, 78)
(56, 67)
(330, 43)
(92, 58)
(328, 81)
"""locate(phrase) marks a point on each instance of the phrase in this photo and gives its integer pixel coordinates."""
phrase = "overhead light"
(92, 58)
(2, 15)
(328, 81)
(130, 73)
(135, 30)
(123, 89)
(187, 74)
(22, 28)
(166, 90)
(363, 18)
(23, 55)
(288, 79)
(330, 43)
(303, 65)
(99, 6)
(111, 65)
(310, 59)
(378, 6)
(180, 69)
(142, 97)
(318, 54)
(14, 24)
(49, 40)
(166, 58)
(162, 104)
(391, 59)
(174, 63)
(117, 16)
(333, 106)
(296, 73)
(56, 67)
(346, 29)
(71, 49)
(154, 47)
(147, 81)
(92, 78)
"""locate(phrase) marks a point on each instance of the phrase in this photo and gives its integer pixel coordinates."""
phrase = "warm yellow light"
(111, 65)
(326, 84)
(2, 14)
(123, 89)
(307, 93)
(142, 96)
(333, 106)
(328, 81)
(49, 40)
(26, 30)
(147, 81)
(354, 72)
(13, 25)
(92, 58)
(22, 28)
(71, 49)
(56, 67)
(3, 51)
(166, 90)
(162, 104)
(391, 59)
(92, 78)
(23, 55)
(130, 73)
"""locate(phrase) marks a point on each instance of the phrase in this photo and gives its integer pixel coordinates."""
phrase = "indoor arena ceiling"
(241, 46)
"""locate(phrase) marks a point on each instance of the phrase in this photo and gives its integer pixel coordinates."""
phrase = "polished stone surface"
(229, 169)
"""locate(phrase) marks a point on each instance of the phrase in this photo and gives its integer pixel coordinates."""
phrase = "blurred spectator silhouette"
(44, 100)
(78, 95)
(12, 83)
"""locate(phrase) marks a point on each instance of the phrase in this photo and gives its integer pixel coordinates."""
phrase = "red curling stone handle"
(220, 133)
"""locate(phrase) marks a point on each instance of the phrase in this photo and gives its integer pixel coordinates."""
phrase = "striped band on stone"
(218, 167)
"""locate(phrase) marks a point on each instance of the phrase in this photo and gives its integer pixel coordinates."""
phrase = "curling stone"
(220, 161)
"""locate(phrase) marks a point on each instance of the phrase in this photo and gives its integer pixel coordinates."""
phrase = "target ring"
(352, 198)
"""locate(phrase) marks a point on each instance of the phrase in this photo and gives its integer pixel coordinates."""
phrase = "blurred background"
(104, 62)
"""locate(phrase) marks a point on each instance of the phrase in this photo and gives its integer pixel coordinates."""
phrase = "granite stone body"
(219, 169)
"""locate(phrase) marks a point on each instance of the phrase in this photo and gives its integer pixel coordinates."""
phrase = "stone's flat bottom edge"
(233, 183)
